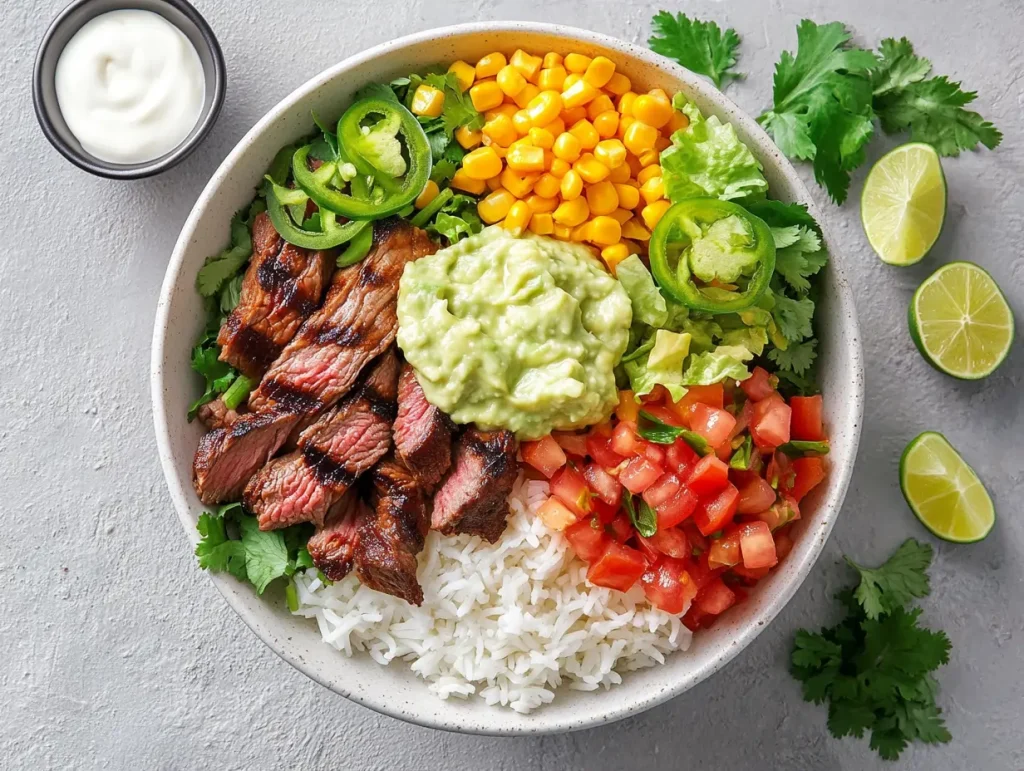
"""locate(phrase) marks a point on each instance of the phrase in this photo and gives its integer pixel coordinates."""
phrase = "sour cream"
(130, 86)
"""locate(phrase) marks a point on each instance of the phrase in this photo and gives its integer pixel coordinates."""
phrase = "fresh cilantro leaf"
(793, 316)
(798, 256)
(903, 577)
(230, 294)
(780, 215)
(266, 555)
(798, 358)
(897, 67)
(221, 267)
(215, 551)
(457, 219)
(218, 375)
(700, 46)
(380, 91)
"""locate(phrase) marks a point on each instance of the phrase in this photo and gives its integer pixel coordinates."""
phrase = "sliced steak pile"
(423, 434)
(333, 546)
(282, 287)
(393, 534)
(343, 443)
(474, 497)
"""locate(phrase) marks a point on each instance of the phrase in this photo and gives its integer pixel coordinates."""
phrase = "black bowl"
(44, 93)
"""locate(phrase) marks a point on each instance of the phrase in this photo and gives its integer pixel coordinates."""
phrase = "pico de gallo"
(694, 499)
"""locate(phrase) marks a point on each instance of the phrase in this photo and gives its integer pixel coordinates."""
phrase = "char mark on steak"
(474, 497)
(356, 323)
(282, 287)
(392, 535)
(333, 545)
(332, 452)
(423, 434)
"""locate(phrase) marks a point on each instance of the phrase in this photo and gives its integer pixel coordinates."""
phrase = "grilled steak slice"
(392, 535)
(228, 457)
(474, 497)
(215, 414)
(333, 546)
(423, 434)
(333, 452)
(357, 323)
(282, 287)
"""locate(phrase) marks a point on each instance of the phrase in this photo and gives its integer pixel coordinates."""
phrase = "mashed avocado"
(518, 333)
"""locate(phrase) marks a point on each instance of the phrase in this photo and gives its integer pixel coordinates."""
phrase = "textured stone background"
(117, 652)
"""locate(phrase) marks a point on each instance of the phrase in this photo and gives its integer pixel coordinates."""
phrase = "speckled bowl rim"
(607, 706)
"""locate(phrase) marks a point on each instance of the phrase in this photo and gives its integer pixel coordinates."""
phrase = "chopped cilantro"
(897, 582)
(700, 46)
(222, 267)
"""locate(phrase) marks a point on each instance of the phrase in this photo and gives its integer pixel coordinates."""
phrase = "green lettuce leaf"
(726, 362)
(649, 306)
(663, 365)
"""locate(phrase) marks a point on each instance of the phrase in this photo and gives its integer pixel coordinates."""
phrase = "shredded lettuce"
(724, 362)
(649, 306)
(663, 364)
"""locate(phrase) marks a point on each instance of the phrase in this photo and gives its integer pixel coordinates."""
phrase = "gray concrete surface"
(117, 652)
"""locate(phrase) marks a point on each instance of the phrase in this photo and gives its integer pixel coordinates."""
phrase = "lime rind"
(944, 492)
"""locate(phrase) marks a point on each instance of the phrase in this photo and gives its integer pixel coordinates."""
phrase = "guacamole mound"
(521, 333)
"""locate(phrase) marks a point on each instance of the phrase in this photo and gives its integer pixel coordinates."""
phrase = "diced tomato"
(698, 541)
(711, 395)
(755, 496)
(759, 385)
(743, 419)
(639, 474)
(695, 619)
(769, 423)
(545, 455)
(701, 571)
(664, 414)
(709, 476)
(757, 546)
(664, 488)
(607, 487)
(725, 551)
(809, 472)
(599, 448)
(571, 489)
(605, 512)
(723, 452)
(571, 442)
(781, 513)
(713, 514)
(670, 541)
(780, 471)
(587, 538)
(680, 456)
(713, 424)
(715, 597)
(668, 586)
(658, 394)
(783, 544)
(556, 514)
(619, 567)
(624, 440)
(653, 452)
(628, 409)
(806, 422)
(752, 575)
(677, 508)
(620, 528)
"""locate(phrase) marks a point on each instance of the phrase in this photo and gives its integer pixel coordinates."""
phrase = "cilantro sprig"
(700, 46)
(874, 668)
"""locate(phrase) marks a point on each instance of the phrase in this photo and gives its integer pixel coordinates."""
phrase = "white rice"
(509, 622)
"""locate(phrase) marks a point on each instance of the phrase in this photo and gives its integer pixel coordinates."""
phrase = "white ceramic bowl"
(395, 690)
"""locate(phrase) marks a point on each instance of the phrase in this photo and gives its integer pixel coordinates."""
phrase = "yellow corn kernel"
(489, 65)
(599, 71)
(428, 194)
(486, 96)
(547, 186)
(581, 233)
(500, 130)
(660, 93)
(653, 212)
(610, 152)
(625, 121)
(628, 196)
(571, 80)
(634, 230)
(648, 172)
(508, 110)
(498, 149)
(578, 94)
(559, 168)
(521, 122)
(483, 163)
(639, 137)
(552, 78)
(653, 189)
(677, 122)
(601, 103)
(464, 73)
(633, 248)
(590, 169)
(620, 173)
(585, 132)
(552, 60)
(649, 158)
(527, 95)
(524, 158)
(544, 107)
(602, 198)
(542, 224)
(519, 185)
(541, 138)
(622, 216)
(606, 124)
(510, 80)
(614, 254)
(563, 232)
(618, 84)
(626, 103)
(464, 182)
(427, 101)
(662, 143)
(635, 167)
(571, 185)
(467, 137)
(495, 206)
(494, 183)
(555, 127)
(518, 217)
(567, 146)
(527, 64)
(541, 205)
(604, 231)
(652, 110)
(574, 116)
(577, 63)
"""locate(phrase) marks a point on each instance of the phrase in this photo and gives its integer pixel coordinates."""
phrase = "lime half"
(944, 492)
(903, 204)
(961, 322)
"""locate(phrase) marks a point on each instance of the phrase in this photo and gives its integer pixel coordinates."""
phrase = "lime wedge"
(960, 321)
(943, 491)
(903, 204)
